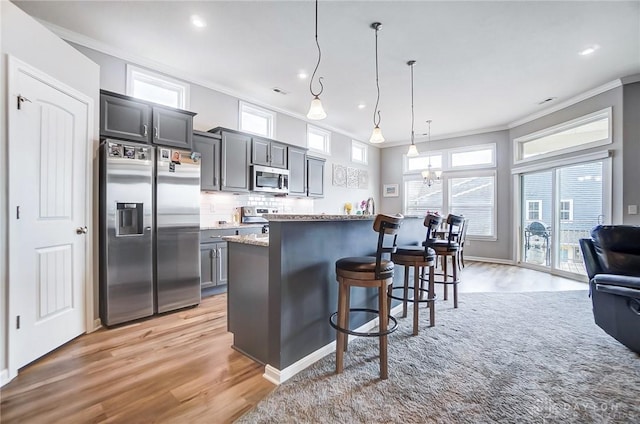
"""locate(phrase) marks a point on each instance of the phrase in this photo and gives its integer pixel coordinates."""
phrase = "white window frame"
(483, 173)
(570, 210)
(135, 73)
(417, 177)
(520, 141)
(490, 146)
(528, 210)
(356, 145)
(326, 135)
(251, 109)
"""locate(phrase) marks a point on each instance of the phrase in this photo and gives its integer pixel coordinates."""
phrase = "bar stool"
(367, 271)
(419, 258)
(448, 248)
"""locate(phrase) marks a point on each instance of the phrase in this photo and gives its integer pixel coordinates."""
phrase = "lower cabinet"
(213, 264)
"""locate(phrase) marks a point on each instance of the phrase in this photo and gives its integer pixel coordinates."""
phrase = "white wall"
(29, 41)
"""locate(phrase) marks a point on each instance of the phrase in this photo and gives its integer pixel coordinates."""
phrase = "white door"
(47, 160)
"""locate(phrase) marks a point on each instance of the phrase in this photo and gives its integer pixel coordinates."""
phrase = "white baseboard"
(277, 376)
(4, 377)
(490, 260)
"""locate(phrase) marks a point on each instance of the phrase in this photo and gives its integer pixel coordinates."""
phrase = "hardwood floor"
(179, 367)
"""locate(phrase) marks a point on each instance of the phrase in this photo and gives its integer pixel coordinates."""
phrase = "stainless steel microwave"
(271, 180)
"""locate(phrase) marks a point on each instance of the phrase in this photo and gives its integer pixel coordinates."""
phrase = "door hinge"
(17, 212)
(18, 322)
(22, 99)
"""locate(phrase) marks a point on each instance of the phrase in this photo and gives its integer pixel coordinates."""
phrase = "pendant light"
(316, 111)
(429, 175)
(413, 150)
(376, 135)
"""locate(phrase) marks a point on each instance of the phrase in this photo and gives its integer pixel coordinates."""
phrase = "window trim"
(323, 133)
(163, 81)
(570, 210)
(257, 111)
(488, 146)
(539, 202)
(585, 119)
(406, 159)
(365, 150)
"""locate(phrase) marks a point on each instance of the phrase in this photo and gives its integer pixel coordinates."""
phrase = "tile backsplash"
(216, 207)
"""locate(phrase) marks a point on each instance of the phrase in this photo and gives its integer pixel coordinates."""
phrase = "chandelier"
(430, 176)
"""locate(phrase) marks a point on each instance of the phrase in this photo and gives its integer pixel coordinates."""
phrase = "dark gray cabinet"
(315, 177)
(208, 145)
(172, 127)
(268, 153)
(127, 118)
(213, 264)
(297, 172)
(234, 169)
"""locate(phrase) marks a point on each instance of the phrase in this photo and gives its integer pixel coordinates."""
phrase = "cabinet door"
(221, 256)
(278, 155)
(209, 147)
(172, 127)
(297, 172)
(207, 276)
(234, 169)
(260, 151)
(315, 177)
(126, 119)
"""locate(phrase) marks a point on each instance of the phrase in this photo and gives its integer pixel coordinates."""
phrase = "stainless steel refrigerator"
(149, 230)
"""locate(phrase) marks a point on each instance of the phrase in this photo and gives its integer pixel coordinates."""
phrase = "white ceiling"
(480, 65)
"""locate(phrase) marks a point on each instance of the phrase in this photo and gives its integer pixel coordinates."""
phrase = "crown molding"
(448, 136)
(101, 47)
(569, 102)
(630, 79)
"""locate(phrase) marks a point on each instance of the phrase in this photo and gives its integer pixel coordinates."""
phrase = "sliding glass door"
(559, 207)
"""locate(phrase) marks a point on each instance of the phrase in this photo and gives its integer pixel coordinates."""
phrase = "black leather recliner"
(612, 260)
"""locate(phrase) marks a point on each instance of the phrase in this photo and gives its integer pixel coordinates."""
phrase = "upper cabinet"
(297, 171)
(235, 157)
(208, 145)
(268, 153)
(315, 177)
(127, 118)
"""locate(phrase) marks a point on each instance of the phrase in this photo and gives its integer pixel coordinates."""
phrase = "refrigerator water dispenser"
(130, 219)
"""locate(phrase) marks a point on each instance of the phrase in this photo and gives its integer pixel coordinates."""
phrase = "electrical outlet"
(632, 209)
(212, 207)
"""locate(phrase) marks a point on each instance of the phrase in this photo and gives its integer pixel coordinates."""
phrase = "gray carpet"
(499, 357)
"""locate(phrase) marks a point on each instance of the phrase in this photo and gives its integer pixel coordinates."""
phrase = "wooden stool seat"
(366, 271)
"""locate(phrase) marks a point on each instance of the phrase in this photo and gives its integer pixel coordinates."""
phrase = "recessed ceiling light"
(198, 22)
(589, 50)
(361, 106)
(302, 75)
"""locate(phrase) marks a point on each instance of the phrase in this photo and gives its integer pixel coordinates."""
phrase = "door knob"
(81, 230)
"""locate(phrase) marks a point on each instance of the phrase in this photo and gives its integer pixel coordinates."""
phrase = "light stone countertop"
(318, 217)
(233, 226)
(252, 239)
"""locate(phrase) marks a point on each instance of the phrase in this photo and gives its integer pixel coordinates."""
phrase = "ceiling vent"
(280, 91)
(550, 99)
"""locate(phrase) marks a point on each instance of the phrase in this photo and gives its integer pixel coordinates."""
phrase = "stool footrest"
(410, 288)
(390, 330)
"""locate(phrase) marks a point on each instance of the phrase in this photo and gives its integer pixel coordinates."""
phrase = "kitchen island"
(282, 289)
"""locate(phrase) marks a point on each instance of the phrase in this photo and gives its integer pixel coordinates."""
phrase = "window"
(420, 163)
(475, 157)
(420, 198)
(153, 87)
(256, 120)
(318, 140)
(473, 197)
(566, 210)
(578, 134)
(359, 152)
(534, 210)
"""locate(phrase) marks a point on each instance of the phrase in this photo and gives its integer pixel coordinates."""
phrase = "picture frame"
(390, 190)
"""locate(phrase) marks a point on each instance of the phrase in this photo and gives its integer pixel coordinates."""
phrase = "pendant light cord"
(429, 146)
(375, 124)
(318, 64)
(412, 115)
